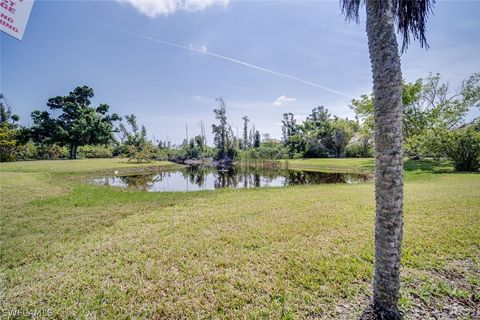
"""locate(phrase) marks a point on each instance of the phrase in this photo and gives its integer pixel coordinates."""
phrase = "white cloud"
(283, 100)
(155, 8)
(202, 49)
(199, 98)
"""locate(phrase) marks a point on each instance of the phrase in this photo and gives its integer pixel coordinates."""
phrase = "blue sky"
(70, 43)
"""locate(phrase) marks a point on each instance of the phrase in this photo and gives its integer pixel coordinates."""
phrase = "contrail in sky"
(243, 63)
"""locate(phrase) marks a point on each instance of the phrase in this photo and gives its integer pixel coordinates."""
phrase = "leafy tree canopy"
(6, 115)
(319, 135)
(11, 134)
(428, 104)
(78, 124)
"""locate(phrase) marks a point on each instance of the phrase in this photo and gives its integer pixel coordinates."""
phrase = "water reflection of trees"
(196, 175)
(237, 177)
(141, 182)
(305, 177)
(234, 177)
(312, 177)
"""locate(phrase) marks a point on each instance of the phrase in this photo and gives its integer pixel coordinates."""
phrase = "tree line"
(433, 126)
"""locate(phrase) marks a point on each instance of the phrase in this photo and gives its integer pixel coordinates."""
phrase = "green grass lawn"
(77, 166)
(332, 165)
(85, 251)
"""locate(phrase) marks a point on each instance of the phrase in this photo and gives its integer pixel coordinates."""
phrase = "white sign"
(14, 16)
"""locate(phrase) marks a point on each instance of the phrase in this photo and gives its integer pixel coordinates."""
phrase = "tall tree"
(220, 131)
(316, 132)
(428, 107)
(257, 140)
(245, 132)
(342, 132)
(428, 103)
(251, 135)
(289, 125)
(410, 18)
(79, 123)
(202, 133)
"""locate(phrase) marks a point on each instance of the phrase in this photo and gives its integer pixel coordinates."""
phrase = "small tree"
(134, 143)
(79, 123)
(10, 132)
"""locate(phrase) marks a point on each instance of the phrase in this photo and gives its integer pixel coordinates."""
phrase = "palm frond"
(410, 15)
(350, 9)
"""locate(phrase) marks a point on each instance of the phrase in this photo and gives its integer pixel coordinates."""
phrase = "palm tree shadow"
(428, 165)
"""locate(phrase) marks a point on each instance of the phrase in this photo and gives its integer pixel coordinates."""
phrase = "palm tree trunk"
(387, 89)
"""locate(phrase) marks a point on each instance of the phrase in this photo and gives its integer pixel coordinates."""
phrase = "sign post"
(14, 16)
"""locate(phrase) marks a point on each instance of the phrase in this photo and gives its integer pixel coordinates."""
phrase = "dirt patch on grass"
(452, 292)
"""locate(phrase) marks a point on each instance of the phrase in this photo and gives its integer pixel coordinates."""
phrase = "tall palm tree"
(383, 17)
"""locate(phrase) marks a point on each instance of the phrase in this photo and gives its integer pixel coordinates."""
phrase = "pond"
(195, 178)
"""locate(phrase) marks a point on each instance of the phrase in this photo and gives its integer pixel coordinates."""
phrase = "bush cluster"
(95, 152)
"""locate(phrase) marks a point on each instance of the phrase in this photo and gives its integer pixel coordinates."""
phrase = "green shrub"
(51, 152)
(462, 146)
(27, 151)
(8, 143)
(95, 152)
(160, 154)
(145, 152)
(416, 146)
(267, 151)
(13, 148)
(193, 150)
(423, 144)
(359, 150)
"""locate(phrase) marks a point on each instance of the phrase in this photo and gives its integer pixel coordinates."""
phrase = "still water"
(197, 178)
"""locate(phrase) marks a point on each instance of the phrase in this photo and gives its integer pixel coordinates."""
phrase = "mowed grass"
(78, 166)
(332, 165)
(85, 251)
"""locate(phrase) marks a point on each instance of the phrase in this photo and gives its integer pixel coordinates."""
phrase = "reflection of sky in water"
(195, 179)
